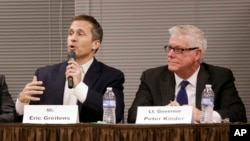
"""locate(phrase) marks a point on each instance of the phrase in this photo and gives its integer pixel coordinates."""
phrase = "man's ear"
(198, 54)
(96, 44)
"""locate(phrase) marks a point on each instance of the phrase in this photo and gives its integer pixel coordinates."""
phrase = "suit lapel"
(202, 80)
(93, 73)
(57, 83)
(54, 84)
(167, 87)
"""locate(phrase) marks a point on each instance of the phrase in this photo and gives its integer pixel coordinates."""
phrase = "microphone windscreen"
(72, 55)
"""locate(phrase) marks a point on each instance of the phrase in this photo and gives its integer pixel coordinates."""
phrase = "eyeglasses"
(178, 50)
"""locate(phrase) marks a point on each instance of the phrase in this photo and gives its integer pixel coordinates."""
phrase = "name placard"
(51, 114)
(164, 114)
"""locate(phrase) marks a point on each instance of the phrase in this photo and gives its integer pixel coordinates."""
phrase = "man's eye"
(81, 33)
(70, 33)
(178, 49)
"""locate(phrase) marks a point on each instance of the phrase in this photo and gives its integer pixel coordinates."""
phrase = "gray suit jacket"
(7, 107)
(157, 88)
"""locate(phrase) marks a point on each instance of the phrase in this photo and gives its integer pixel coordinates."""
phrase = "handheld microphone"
(71, 56)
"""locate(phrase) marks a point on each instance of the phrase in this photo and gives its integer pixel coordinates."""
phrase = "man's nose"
(171, 52)
(73, 38)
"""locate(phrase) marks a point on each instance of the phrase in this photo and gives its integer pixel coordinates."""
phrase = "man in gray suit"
(185, 50)
(7, 107)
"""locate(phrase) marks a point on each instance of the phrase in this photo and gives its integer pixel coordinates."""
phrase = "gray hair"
(197, 36)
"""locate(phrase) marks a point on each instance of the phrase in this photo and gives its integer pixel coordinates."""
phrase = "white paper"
(164, 114)
(51, 114)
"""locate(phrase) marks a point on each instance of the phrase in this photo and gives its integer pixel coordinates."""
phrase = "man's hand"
(75, 71)
(196, 115)
(33, 88)
(173, 103)
(196, 112)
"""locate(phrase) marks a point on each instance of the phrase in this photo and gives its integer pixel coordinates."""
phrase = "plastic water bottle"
(207, 104)
(109, 105)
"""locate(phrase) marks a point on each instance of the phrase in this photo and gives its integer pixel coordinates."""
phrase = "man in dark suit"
(7, 109)
(90, 77)
(159, 86)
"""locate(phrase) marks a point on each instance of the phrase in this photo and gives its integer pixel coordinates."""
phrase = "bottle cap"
(208, 85)
(109, 88)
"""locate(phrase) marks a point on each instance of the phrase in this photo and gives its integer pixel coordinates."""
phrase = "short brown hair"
(97, 31)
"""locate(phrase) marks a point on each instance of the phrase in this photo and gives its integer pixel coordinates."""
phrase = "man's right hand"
(33, 88)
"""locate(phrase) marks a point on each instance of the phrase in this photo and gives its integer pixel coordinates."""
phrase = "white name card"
(51, 114)
(164, 114)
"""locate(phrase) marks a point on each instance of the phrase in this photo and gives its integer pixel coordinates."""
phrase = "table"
(116, 132)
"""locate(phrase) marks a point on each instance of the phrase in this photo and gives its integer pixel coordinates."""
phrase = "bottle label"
(109, 103)
(207, 101)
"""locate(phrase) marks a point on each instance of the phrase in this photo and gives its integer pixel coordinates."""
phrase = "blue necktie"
(182, 94)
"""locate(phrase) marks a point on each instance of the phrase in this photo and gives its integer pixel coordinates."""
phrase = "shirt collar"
(192, 79)
(86, 66)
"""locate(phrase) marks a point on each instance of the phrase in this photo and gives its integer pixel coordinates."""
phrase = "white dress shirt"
(191, 92)
(80, 91)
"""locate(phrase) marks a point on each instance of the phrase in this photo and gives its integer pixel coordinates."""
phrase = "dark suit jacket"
(98, 78)
(7, 107)
(157, 88)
